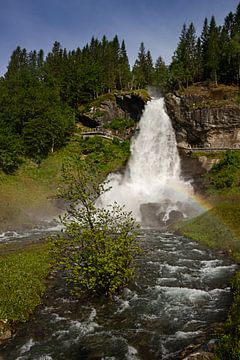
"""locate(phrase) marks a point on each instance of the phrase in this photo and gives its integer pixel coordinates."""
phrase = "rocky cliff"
(114, 106)
(206, 117)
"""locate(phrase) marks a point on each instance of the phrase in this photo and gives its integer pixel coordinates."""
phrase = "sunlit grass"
(22, 281)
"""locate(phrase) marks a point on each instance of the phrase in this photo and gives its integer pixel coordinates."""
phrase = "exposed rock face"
(214, 127)
(128, 106)
(132, 105)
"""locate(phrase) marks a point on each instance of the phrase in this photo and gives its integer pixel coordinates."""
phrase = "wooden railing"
(104, 134)
(196, 148)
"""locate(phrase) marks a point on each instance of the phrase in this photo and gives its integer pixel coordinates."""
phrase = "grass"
(22, 281)
(24, 196)
(120, 124)
(202, 96)
(219, 228)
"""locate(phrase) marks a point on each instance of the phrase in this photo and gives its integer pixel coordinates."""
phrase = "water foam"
(153, 172)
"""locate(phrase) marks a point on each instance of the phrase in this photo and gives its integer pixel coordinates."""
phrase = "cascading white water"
(153, 171)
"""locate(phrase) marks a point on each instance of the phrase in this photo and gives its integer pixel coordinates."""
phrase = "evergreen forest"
(41, 95)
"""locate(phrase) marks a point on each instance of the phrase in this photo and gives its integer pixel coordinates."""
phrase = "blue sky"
(36, 24)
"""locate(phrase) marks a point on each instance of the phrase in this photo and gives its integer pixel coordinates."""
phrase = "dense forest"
(41, 95)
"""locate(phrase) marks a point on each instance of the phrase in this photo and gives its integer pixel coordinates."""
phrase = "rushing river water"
(181, 288)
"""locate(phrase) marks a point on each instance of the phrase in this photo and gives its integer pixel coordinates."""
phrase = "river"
(180, 290)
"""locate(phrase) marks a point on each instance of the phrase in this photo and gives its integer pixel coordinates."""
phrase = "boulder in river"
(158, 215)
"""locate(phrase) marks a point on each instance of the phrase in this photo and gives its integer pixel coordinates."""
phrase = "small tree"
(99, 245)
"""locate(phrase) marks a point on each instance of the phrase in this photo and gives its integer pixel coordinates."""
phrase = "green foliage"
(219, 228)
(143, 70)
(47, 132)
(107, 155)
(185, 61)
(212, 57)
(226, 173)
(99, 245)
(21, 285)
(229, 346)
(120, 124)
(11, 150)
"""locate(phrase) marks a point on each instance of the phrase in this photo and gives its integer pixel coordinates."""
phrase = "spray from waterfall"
(153, 172)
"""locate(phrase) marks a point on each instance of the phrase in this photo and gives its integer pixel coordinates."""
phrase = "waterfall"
(153, 171)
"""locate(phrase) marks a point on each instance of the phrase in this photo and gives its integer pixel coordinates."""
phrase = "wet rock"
(5, 333)
(158, 215)
(151, 215)
(200, 356)
(174, 216)
(212, 345)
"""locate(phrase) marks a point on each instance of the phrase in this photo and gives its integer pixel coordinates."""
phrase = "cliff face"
(114, 106)
(205, 119)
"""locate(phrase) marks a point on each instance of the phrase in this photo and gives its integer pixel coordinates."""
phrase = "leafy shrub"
(10, 150)
(226, 173)
(120, 124)
(107, 155)
(99, 246)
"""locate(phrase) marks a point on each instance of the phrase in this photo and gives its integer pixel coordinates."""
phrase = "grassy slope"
(23, 270)
(219, 228)
(26, 196)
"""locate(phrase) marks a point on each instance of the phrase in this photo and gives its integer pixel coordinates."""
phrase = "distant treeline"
(41, 95)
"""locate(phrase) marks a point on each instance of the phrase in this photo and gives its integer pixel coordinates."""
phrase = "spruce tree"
(160, 74)
(124, 74)
(213, 52)
(143, 68)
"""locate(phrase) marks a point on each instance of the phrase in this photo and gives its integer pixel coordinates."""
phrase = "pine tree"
(191, 55)
(204, 46)
(124, 75)
(149, 68)
(212, 52)
(160, 74)
(183, 65)
(143, 68)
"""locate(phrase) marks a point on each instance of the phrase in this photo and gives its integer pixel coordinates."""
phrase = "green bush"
(226, 174)
(107, 155)
(120, 124)
(99, 246)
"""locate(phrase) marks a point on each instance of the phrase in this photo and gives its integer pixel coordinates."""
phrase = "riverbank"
(28, 200)
(179, 292)
(219, 229)
(23, 272)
